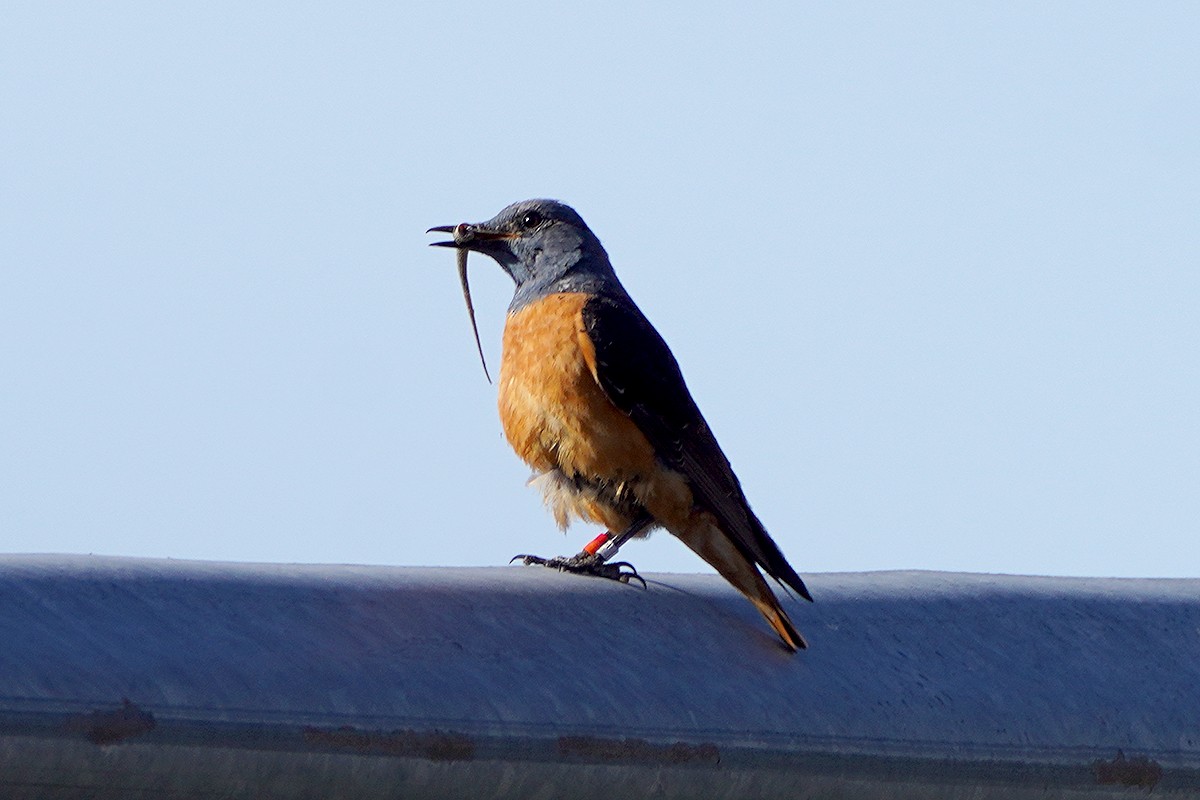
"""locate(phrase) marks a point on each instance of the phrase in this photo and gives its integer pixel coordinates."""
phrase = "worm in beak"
(461, 234)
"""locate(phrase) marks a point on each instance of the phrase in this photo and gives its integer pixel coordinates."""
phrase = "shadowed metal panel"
(126, 678)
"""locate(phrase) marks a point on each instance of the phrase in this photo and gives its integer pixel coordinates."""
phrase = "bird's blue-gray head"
(544, 245)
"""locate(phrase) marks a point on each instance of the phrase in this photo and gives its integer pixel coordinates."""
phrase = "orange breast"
(554, 413)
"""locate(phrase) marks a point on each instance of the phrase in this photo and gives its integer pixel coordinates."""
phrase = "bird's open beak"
(465, 233)
(444, 229)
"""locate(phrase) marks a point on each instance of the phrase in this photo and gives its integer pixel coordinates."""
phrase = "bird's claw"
(586, 564)
(625, 572)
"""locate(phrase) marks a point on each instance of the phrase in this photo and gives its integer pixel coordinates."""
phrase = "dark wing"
(640, 375)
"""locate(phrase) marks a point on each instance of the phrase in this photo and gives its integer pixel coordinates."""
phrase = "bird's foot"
(586, 564)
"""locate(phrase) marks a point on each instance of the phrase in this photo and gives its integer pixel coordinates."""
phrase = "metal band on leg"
(610, 547)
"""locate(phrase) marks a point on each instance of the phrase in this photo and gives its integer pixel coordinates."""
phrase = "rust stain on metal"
(1137, 771)
(434, 745)
(596, 748)
(114, 725)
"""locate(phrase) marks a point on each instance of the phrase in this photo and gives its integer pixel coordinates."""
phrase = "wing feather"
(640, 376)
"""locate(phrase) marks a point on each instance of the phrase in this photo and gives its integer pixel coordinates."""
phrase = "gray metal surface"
(140, 678)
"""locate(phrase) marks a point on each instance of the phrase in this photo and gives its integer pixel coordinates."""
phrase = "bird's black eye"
(530, 219)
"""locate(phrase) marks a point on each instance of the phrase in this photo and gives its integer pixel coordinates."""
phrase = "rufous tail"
(708, 542)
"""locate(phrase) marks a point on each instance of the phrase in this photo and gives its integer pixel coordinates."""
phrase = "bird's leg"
(593, 559)
(605, 546)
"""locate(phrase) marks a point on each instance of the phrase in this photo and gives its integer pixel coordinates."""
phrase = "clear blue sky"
(931, 271)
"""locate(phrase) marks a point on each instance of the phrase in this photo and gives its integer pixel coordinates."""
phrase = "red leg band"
(596, 544)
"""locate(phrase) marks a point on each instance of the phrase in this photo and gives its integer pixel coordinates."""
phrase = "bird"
(593, 400)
